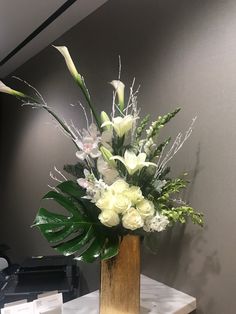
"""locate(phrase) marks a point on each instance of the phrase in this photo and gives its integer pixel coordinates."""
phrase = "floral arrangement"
(122, 183)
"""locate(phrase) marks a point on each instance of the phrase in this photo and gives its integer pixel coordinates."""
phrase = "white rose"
(109, 218)
(145, 208)
(132, 219)
(121, 203)
(106, 201)
(119, 186)
(134, 193)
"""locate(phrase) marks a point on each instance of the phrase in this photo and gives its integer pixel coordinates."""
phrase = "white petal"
(148, 163)
(118, 158)
(4, 88)
(106, 123)
(117, 84)
(141, 157)
(69, 62)
(95, 153)
(93, 130)
(83, 183)
(106, 136)
(130, 159)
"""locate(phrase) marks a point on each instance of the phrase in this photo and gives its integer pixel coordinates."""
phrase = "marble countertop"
(156, 298)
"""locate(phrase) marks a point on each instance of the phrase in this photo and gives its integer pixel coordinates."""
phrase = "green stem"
(83, 87)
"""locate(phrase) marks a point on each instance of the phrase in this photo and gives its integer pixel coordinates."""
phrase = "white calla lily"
(78, 78)
(7, 90)
(132, 162)
(69, 62)
(119, 88)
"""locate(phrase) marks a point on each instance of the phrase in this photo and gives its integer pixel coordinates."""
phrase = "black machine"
(37, 275)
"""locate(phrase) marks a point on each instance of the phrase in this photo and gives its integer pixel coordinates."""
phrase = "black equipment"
(37, 275)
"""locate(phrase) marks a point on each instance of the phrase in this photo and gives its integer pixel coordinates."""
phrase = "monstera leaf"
(79, 232)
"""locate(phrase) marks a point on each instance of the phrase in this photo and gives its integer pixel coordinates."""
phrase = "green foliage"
(159, 149)
(171, 187)
(79, 232)
(180, 214)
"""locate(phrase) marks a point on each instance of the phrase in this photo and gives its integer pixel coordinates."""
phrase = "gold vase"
(120, 279)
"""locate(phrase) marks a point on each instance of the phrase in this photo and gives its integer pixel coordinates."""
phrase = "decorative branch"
(176, 146)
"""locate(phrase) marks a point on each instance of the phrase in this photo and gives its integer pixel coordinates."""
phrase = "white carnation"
(157, 223)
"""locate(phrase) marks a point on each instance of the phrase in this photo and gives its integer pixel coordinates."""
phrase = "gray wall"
(181, 52)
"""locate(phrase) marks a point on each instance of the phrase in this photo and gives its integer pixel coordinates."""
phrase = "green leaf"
(72, 189)
(111, 247)
(179, 214)
(159, 149)
(60, 235)
(79, 232)
(44, 217)
(63, 201)
(92, 252)
(74, 245)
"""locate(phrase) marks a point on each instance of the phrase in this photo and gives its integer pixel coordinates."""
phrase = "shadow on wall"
(182, 260)
(174, 264)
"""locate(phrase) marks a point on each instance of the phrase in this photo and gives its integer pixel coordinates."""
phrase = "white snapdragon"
(133, 162)
(154, 124)
(157, 223)
(149, 146)
(132, 219)
(109, 173)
